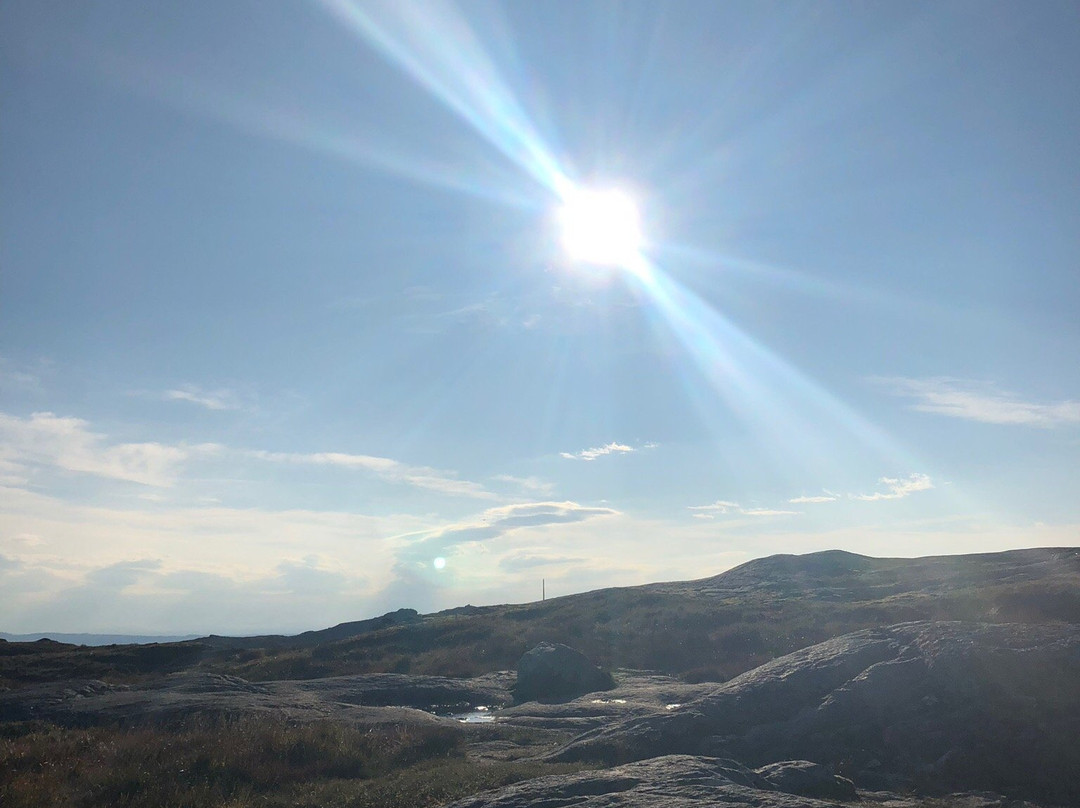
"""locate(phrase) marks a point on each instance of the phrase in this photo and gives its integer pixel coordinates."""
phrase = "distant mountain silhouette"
(96, 639)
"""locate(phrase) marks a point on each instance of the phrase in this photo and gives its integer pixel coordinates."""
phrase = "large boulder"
(555, 671)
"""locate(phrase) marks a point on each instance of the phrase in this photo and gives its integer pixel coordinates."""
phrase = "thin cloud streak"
(985, 403)
(598, 451)
(14, 376)
(210, 399)
(720, 506)
(519, 562)
(416, 557)
(498, 521)
(443, 482)
(898, 489)
(725, 507)
(531, 484)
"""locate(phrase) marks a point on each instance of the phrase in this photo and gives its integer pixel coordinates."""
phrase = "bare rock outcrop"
(685, 781)
(674, 781)
(367, 698)
(808, 779)
(934, 706)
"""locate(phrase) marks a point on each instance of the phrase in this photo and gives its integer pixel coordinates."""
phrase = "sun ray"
(764, 391)
(437, 47)
(294, 123)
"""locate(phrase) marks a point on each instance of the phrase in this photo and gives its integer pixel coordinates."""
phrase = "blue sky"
(288, 335)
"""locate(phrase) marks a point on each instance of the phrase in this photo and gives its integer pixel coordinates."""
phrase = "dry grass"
(240, 763)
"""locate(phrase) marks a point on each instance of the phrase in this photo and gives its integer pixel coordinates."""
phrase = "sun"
(600, 226)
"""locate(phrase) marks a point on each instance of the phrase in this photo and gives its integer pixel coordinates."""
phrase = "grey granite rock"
(674, 781)
(554, 671)
(934, 706)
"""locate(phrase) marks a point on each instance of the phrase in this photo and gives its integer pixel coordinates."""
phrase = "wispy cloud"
(499, 521)
(444, 482)
(982, 402)
(598, 451)
(531, 484)
(12, 472)
(210, 399)
(720, 506)
(813, 500)
(897, 488)
(725, 507)
(45, 441)
(51, 441)
(517, 562)
(15, 376)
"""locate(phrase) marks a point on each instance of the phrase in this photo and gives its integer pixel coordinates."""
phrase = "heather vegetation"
(248, 761)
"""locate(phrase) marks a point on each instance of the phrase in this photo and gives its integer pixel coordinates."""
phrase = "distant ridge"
(306, 639)
(861, 577)
(97, 639)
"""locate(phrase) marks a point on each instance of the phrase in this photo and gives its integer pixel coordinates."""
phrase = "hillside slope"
(706, 630)
(713, 628)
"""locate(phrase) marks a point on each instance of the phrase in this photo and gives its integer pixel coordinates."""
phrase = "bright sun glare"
(600, 227)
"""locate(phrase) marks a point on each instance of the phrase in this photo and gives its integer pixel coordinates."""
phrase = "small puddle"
(672, 706)
(481, 715)
(466, 714)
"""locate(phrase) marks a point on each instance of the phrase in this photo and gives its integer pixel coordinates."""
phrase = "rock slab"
(687, 781)
(931, 706)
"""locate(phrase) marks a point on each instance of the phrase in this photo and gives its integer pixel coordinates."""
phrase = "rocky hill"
(706, 630)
